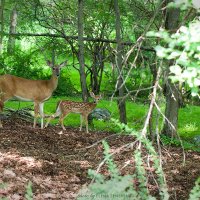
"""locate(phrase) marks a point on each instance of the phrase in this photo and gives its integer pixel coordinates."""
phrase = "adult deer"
(66, 107)
(23, 89)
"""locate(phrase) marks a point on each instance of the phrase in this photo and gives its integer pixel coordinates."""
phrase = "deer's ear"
(49, 63)
(63, 64)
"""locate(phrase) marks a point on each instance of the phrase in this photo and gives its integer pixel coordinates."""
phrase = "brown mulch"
(56, 162)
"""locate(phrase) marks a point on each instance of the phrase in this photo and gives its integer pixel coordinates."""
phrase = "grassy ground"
(189, 123)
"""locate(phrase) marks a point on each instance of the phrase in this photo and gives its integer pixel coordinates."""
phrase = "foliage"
(137, 191)
(65, 85)
(187, 145)
(117, 187)
(22, 63)
(195, 192)
(183, 48)
(3, 185)
(29, 193)
(112, 168)
(184, 4)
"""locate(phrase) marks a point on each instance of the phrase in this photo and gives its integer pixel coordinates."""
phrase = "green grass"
(189, 123)
(135, 114)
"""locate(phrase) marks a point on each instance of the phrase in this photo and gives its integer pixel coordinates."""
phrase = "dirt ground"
(57, 162)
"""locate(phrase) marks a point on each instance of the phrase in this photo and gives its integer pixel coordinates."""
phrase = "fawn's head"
(56, 68)
(95, 97)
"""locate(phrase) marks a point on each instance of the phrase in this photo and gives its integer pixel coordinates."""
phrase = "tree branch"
(127, 43)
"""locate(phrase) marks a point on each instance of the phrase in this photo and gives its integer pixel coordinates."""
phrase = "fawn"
(66, 107)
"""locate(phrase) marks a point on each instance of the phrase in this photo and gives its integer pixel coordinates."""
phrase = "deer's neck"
(94, 104)
(53, 82)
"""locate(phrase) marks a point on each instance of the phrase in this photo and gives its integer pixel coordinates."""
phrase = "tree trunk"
(1, 24)
(171, 90)
(121, 102)
(13, 25)
(154, 70)
(81, 51)
(97, 67)
(94, 72)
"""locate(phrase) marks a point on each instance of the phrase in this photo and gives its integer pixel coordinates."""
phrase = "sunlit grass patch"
(188, 127)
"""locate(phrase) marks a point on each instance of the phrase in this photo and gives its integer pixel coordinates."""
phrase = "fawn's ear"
(92, 94)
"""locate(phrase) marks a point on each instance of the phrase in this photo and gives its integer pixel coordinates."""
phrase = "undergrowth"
(131, 186)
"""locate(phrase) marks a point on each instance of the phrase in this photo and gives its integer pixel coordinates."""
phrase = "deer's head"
(56, 68)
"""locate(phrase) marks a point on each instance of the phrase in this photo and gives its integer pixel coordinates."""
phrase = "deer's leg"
(62, 117)
(36, 111)
(41, 107)
(3, 98)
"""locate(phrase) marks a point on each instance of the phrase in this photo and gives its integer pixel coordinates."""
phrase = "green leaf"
(176, 69)
(161, 51)
(194, 91)
(174, 55)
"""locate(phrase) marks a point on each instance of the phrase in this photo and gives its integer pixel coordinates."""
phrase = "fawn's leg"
(48, 120)
(81, 120)
(62, 117)
(86, 122)
(52, 117)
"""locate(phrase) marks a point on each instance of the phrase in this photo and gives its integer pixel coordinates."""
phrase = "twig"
(153, 97)
(99, 141)
(129, 145)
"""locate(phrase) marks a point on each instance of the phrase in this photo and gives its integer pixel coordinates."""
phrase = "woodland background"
(130, 51)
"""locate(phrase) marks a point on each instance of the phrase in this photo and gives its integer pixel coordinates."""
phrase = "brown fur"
(37, 91)
(66, 107)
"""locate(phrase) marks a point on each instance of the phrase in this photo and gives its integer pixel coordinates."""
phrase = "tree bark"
(97, 68)
(94, 72)
(13, 26)
(2, 2)
(171, 90)
(154, 70)
(120, 88)
(81, 51)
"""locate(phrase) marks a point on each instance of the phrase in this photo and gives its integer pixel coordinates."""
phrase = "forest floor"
(57, 162)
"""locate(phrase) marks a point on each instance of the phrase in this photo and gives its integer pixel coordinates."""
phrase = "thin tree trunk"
(171, 90)
(97, 67)
(101, 66)
(153, 69)
(1, 24)
(81, 51)
(121, 102)
(13, 26)
(94, 73)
